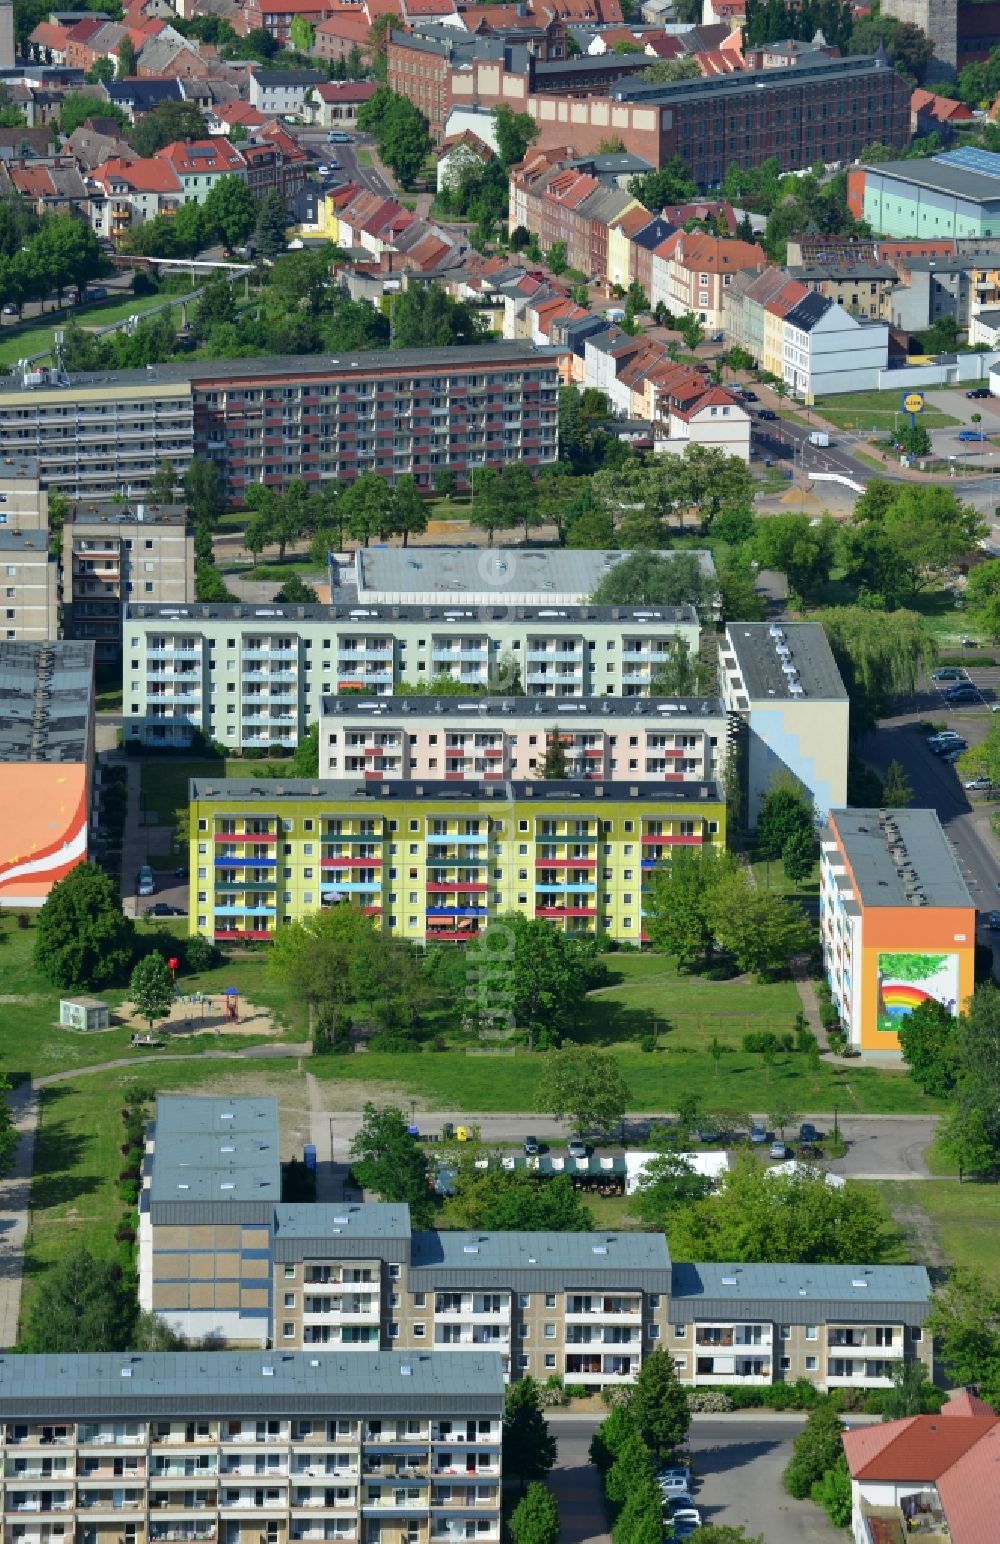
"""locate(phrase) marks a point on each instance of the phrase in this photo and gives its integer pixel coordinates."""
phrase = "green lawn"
(947, 623)
(689, 1010)
(874, 410)
(164, 784)
(277, 573)
(34, 337)
(962, 1220)
(363, 156)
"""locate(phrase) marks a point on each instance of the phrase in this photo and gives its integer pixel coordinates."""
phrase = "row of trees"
(61, 251)
(230, 215)
(400, 131)
(704, 902)
(646, 1430)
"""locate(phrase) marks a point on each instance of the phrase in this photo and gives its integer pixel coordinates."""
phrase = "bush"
(647, 1043)
(201, 953)
(709, 1402)
(575, 1391)
(766, 1040)
(806, 1041)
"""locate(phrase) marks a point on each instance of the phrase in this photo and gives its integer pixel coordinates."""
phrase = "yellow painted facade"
(438, 864)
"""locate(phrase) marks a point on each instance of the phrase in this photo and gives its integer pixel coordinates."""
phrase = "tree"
(691, 329)
(535, 1519)
(556, 257)
(802, 551)
(879, 655)
(367, 506)
(911, 1393)
(756, 1214)
(982, 597)
(614, 1432)
(816, 1449)
(231, 211)
(897, 791)
(679, 915)
(724, 1533)
(305, 761)
(659, 1406)
(163, 483)
(554, 766)
(400, 131)
(102, 69)
(296, 592)
(529, 1448)
(301, 35)
(151, 988)
(762, 934)
(657, 579)
(271, 231)
(445, 483)
(965, 1323)
(77, 106)
(426, 316)
(514, 133)
(409, 512)
(534, 976)
(82, 939)
(973, 1132)
(204, 492)
(798, 856)
(785, 812)
(85, 1307)
(666, 70)
(165, 124)
(518, 1202)
(682, 674)
(582, 1086)
(388, 1161)
(338, 957)
(127, 63)
(672, 184)
(832, 1491)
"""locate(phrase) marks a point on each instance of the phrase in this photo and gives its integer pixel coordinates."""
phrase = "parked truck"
(819, 437)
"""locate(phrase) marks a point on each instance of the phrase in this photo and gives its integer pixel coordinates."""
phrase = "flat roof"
(367, 1219)
(900, 857)
(457, 614)
(45, 701)
(942, 177)
(239, 373)
(806, 71)
(24, 541)
(763, 649)
(542, 791)
(478, 709)
(17, 468)
(534, 575)
(84, 512)
(182, 1383)
(216, 1150)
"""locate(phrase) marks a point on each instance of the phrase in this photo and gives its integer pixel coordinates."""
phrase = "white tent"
(711, 1164)
(808, 1171)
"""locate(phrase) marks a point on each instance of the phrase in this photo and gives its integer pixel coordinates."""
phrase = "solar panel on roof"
(987, 162)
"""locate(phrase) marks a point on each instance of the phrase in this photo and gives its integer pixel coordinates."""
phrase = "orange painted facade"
(930, 930)
(43, 827)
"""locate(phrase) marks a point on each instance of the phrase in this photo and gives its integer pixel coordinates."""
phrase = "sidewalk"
(15, 1204)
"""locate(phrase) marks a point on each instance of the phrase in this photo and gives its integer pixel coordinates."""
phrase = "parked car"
(686, 1514)
(967, 436)
(978, 784)
(962, 694)
(531, 1147)
(707, 1134)
(577, 1147)
(969, 643)
(9, 310)
(96, 292)
(777, 1151)
(808, 1132)
(338, 137)
(994, 921)
(145, 883)
(674, 1480)
(978, 393)
(758, 1132)
(950, 747)
(675, 1501)
(943, 736)
(161, 909)
(750, 396)
(950, 757)
(948, 673)
(766, 413)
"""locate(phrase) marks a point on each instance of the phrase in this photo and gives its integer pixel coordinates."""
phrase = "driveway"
(738, 1462)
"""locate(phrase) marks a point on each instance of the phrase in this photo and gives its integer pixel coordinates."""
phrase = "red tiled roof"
(966, 1403)
(921, 1448)
(347, 90)
(714, 397)
(215, 155)
(353, 26)
(50, 35)
(32, 181)
(241, 112)
(148, 175)
(83, 31)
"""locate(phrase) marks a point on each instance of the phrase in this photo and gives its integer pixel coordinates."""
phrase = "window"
(394, 1272)
(784, 1332)
(679, 1331)
(523, 1361)
(288, 1330)
(419, 1331)
(524, 1300)
(289, 1299)
(785, 1363)
(419, 1299)
(550, 1300)
(810, 1364)
(680, 1363)
(523, 1331)
(550, 1359)
(653, 1332)
(393, 1330)
(810, 1332)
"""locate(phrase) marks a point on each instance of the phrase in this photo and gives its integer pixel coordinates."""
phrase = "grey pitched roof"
(187, 1383)
(806, 313)
(801, 1294)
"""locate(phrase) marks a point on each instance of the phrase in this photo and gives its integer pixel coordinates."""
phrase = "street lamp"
(836, 1125)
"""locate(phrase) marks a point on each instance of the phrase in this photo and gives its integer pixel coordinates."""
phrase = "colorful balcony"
(565, 911)
(565, 863)
(248, 838)
(238, 863)
(235, 935)
(337, 863)
(456, 911)
(695, 840)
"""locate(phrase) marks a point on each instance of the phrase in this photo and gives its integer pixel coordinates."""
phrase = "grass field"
(960, 1223)
(363, 156)
(277, 573)
(35, 337)
(164, 784)
(874, 410)
(948, 625)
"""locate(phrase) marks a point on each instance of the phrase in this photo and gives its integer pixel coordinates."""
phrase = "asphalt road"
(737, 1462)
(350, 169)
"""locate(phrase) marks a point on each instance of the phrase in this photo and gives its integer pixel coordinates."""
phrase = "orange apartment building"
(897, 922)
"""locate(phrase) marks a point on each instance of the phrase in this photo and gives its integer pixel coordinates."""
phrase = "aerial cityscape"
(500, 761)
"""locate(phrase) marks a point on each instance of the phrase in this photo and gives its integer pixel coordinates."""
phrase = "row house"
(373, 222)
(562, 202)
(54, 186)
(335, 38)
(200, 163)
(276, 16)
(336, 103)
(128, 193)
(690, 272)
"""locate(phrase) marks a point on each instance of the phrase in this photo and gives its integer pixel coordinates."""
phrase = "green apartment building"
(940, 197)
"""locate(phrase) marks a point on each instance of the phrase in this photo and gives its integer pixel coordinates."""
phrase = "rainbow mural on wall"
(905, 980)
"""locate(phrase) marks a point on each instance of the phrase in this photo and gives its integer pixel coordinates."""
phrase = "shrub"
(767, 1040)
(575, 1391)
(709, 1402)
(647, 1043)
(806, 1041)
(201, 953)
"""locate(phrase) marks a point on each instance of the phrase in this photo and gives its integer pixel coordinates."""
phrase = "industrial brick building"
(435, 861)
(354, 1281)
